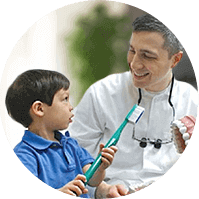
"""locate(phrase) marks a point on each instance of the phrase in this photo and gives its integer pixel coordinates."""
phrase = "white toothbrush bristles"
(137, 113)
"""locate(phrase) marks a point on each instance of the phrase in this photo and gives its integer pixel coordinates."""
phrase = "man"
(145, 151)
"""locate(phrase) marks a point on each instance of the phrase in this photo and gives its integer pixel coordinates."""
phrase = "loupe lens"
(158, 144)
(143, 143)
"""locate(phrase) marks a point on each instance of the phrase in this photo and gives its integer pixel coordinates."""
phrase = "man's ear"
(176, 58)
(37, 108)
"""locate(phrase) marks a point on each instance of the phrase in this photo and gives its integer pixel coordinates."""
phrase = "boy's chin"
(63, 128)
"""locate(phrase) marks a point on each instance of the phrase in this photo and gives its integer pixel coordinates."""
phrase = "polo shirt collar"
(40, 143)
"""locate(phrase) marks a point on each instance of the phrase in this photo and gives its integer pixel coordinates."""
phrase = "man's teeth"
(140, 75)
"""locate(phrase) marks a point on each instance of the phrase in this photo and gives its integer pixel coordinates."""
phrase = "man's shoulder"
(113, 81)
(186, 93)
(115, 77)
(184, 87)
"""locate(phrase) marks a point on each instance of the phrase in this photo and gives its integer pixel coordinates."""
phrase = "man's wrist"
(102, 190)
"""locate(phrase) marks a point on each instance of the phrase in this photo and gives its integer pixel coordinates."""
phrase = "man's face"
(149, 62)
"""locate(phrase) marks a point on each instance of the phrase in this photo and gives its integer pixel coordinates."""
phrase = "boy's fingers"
(76, 190)
(108, 156)
(71, 193)
(80, 184)
(81, 177)
(85, 191)
(101, 147)
(112, 150)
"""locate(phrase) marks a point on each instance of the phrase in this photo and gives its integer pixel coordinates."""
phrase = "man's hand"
(182, 131)
(116, 191)
(110, 191)
(75, 187)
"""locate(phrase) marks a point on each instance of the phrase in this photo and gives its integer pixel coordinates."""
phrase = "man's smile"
(140, 75)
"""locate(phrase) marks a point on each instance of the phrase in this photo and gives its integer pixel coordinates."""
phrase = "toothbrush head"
(136, 114)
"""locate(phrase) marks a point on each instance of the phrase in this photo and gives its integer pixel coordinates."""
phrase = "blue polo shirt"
(54, 163)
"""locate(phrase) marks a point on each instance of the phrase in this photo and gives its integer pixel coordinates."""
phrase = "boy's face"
(58, 115)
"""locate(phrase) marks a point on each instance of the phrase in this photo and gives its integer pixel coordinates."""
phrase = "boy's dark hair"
(149, 23)
(29, 87)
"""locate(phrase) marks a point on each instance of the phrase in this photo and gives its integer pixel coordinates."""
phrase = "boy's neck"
(42, 132)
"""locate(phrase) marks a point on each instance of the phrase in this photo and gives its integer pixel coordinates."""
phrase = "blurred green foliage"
(98, 46)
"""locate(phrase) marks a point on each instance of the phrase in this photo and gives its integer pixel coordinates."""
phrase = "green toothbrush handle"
(112, 142)
(89, 173)
(98, 161)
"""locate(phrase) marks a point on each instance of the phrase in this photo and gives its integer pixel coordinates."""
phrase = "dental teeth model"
(182, 131)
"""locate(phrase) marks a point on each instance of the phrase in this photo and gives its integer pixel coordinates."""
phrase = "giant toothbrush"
(134, 115)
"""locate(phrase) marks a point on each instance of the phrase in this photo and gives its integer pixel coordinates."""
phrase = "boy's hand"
(107, 159)
(107, 155)
(75, 187)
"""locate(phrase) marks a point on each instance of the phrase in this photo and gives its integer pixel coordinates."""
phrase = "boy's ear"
(37, 108)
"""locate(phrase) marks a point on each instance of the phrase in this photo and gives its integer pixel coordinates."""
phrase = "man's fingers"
(122, 190)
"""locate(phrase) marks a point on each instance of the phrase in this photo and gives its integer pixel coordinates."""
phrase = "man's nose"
(136, 63)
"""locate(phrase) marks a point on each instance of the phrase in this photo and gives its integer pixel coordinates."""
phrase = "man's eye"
(148, 57)
(132, 51)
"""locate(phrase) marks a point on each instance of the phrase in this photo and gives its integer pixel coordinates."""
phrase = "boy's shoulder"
(20, 147)
(24, 147)
(31, 143)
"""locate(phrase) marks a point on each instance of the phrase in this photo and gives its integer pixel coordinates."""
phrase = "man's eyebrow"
(145, 50)
(130, 46)
(149, 51)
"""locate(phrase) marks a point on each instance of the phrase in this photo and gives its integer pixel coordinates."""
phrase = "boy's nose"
(71, 108)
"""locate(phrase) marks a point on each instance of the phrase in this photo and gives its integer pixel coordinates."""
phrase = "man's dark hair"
(29, 87)
(149, 23)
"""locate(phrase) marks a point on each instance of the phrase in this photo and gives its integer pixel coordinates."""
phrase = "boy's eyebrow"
(66, 93)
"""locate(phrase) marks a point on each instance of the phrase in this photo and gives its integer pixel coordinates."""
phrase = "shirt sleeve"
(83, 155)
(29, 162)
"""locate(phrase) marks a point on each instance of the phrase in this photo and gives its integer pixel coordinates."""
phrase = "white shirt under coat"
(104, 107)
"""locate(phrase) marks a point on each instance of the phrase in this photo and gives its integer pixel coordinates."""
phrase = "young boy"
(39, 100)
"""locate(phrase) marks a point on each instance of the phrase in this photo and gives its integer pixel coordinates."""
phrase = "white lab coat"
(104, 107)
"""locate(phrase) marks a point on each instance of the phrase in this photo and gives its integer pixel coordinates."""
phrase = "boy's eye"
(66, 99)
